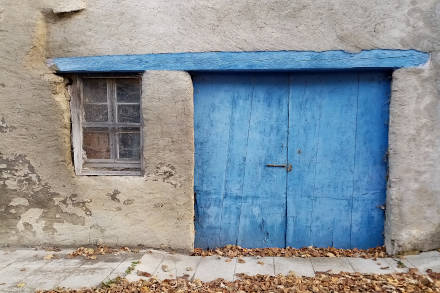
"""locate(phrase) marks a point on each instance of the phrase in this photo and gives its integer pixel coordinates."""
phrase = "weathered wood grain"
(332, 127)
(262, 215)
(264, 60)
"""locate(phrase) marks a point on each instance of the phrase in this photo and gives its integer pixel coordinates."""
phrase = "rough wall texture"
(42, 201)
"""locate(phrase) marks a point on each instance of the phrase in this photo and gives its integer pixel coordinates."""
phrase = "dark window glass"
(95, 90)
(128, 90)
(129, 144)
(96, 113)
(129, 113)
(96, 143)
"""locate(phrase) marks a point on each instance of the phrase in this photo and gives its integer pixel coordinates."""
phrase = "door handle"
(287, 166)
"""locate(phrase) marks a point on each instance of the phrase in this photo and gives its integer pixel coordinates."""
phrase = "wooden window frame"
(111, 166)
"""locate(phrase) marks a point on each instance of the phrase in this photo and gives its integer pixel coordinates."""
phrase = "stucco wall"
(42, 201)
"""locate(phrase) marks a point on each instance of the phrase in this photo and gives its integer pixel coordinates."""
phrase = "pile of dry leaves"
(234, 251)
(322, 282)
(91, 253)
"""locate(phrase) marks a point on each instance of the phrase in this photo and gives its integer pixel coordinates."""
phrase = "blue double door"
(292, 159)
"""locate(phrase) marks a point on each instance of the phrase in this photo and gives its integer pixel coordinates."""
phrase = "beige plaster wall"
(41, 201)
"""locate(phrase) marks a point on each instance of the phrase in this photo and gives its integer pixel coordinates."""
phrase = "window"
(107, 125)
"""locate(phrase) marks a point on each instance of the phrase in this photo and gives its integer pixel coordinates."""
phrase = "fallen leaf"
(310, 251)
(322, 282)
(143, 274)
(260, 262)
(413, 270)
(185, 276)
(91, 253)
(240, 260)
(48, 257)
(165, 268)
(21, 285)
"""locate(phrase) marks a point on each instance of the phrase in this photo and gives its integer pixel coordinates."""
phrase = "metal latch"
(288, 167)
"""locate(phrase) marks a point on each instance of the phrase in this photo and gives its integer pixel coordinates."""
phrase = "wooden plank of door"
(241, 87)
(323, 110)
(222, 105)
(263, 208)
(371, 166)
(212, 111)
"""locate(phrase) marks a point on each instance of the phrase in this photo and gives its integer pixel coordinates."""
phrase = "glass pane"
(95, 90)
(96, 143)
(129, 113)
(129, 144)
(128, 90)
(129, 155)
(96, 113)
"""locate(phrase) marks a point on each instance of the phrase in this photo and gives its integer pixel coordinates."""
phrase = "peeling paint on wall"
(165, 173)
(4, 127)
(114, 195)
(27, 203)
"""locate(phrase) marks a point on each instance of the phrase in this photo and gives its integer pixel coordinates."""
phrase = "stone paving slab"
(90, 273)
(31, 268)
(149, 263)
(396, 264)
(123, 266)
(84, 277)
(299, 266)
(331, 264)
(254, 266)
(213, 267)
(18, 273)
(49, 275)
(187, 265)
(49, 279)
(9, 256)
(167, 268)
(424, 261)
(370, 266)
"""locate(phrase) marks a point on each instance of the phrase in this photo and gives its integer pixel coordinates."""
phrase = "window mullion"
(112, 110)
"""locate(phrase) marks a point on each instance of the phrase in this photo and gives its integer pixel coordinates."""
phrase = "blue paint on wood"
(240, 126)
(370, 161)
(327, 143)
(332, 127)
(262, 216)
(243, 61)
(223, 105)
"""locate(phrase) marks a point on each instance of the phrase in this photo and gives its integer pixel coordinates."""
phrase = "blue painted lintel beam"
(243, 61)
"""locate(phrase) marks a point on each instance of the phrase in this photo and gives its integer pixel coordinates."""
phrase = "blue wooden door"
(331, 127)
(240, 126)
